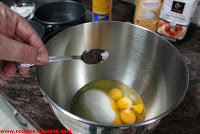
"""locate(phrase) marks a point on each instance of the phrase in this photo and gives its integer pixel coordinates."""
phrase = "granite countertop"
(23, 93)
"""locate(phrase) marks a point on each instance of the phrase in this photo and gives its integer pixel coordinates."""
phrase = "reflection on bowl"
(26, 9)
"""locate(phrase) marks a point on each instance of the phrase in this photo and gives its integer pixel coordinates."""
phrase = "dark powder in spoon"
(92, 57)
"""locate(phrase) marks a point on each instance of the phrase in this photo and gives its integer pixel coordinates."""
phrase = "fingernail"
(9, 71)
(43, 58)
(42, 49)
(23, 70)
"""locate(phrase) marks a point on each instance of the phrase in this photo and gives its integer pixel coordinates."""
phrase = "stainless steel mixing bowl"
(138, 58)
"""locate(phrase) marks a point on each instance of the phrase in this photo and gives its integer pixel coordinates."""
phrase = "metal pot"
(59, 14)
(138, 57)
(38, 28)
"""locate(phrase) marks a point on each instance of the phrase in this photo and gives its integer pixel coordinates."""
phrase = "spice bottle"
(147, 13)
(101, 10)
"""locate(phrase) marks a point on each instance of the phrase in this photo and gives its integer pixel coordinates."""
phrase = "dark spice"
(92, 57)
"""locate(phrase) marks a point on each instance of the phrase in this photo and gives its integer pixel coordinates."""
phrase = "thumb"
(12, 50)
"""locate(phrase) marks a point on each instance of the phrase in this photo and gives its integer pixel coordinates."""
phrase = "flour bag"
(147, 13)
(175, 17)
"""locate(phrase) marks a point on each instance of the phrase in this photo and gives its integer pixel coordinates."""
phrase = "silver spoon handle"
(51, 59)
(60, 58)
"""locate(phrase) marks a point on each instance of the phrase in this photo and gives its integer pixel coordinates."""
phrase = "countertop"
(23, 93)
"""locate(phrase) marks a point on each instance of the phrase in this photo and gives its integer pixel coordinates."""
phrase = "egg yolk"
(115, 93)
(124, 103)
(114, 107)
(117, 121)
(128, 116)
(138, 108)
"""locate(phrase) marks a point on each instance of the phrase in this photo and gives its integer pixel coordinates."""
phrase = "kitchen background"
(196, 18)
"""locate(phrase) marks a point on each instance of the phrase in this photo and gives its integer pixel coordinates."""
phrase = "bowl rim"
(21, 3)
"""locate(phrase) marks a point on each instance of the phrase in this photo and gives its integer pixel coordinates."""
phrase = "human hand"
(19, 42)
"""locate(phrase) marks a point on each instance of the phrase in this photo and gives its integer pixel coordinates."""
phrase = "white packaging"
(175, 17)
